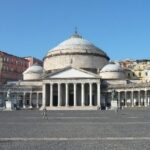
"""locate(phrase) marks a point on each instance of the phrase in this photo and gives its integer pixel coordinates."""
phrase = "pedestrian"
(45, 113)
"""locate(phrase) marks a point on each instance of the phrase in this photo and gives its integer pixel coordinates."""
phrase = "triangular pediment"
(72, 73)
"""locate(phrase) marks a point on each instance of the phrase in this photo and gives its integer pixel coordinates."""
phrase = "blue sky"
(120, 27)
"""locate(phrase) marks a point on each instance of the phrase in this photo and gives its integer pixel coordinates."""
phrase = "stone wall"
(79, 61)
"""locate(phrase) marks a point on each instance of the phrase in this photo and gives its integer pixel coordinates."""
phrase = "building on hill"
(12, 67)
(136, 70)
(33, 60)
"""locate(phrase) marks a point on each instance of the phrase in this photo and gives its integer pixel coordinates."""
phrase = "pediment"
(72, 73)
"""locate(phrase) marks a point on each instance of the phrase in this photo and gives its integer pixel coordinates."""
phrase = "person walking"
(45, 113)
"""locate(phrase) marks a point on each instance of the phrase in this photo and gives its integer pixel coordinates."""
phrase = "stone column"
(24, 103)
(148, 97)
(37, 100)
(132, 99)
(3, 99)
(30, 100)
(17, 98)
(118, 102)
(59, 94)
(90, 94)
(67, 102)
(82, 95)
(51, 95)
(139, 99)
(75, 94)
(148, 100)
(98, 95)
(125, 98)
(44, 95)
(145, 98)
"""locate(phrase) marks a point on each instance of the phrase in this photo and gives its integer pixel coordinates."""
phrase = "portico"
(72, 90)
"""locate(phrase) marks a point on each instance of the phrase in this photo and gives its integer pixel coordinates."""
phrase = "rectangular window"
(128, 74)
(146, 73)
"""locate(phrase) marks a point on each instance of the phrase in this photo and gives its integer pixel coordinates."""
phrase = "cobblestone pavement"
(128, 129)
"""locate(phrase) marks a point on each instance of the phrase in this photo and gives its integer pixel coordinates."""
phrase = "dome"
(34, 69)
(112, 68)
(112, 71)
(73, 49)
(33, 73)
(76, 44)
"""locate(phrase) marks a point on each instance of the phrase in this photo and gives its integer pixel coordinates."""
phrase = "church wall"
(79, 61)
(30, 83)
(112, 75)
(31, 76)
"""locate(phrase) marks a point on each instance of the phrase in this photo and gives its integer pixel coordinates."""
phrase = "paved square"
(74, 130)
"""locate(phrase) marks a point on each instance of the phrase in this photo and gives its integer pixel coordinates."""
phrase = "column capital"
(98, 83)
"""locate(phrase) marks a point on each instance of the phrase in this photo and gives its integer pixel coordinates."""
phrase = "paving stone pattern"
(128, 129)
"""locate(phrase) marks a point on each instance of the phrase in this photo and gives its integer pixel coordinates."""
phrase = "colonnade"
(132, 97)
(71, 94)
(27, 99)
(33, 101)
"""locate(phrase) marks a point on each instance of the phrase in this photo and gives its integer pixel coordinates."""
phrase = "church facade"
(76, 75)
